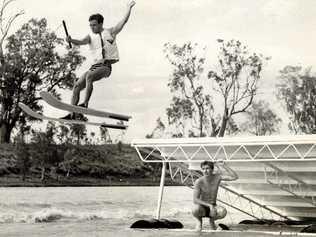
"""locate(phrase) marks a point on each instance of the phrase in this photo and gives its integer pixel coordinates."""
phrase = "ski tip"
(114, 126)
(123, 118)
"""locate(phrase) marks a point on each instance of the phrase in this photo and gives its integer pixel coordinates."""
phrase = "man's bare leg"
(213, 216)
(89, 89)
(199, 222)
(78, 87)
(198, 212)
(212, 224)
(86, 81)
(92, 76)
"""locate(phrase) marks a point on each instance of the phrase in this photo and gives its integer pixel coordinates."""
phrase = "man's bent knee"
(89, 82)
(221, 212)
(78, 86)
(92, 77)
(199, 211)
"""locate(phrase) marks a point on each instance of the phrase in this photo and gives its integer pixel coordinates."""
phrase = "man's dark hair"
(208, 163)
(98, 17)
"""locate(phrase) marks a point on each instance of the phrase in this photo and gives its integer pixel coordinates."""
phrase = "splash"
(52, 214)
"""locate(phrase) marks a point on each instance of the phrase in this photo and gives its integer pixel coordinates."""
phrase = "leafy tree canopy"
(297, 91)
(32, 63)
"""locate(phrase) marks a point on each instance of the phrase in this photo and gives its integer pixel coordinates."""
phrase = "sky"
(285, 30)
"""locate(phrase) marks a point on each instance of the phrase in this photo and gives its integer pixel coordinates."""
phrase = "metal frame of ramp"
(276, 172)
(227, 196)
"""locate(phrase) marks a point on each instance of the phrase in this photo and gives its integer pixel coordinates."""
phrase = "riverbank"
(93, 165)
(16, 181)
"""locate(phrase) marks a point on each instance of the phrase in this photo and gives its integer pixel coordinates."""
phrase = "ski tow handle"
(66, 31)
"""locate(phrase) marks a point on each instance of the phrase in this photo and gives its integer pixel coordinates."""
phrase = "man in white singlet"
(205, 193)
(102, 45)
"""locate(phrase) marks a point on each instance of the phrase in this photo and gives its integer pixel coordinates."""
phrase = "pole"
(66, 32)
(162, 184)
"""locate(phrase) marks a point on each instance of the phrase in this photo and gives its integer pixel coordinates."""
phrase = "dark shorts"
(207, 210)
(204, 211)
(105, 67)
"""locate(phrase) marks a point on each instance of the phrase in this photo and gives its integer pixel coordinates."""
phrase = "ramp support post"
(161, 189)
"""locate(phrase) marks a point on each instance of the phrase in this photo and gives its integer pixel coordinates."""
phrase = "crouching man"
(205, 193)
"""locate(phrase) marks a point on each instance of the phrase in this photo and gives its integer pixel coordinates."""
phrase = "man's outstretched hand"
(220, 162)
(68, 39)
(213, 212)
(131, 4)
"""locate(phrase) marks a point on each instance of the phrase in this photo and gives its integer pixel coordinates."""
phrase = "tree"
(193, 111)
(63, 132)
(43, 153)
(120, 146)
(105, 135)
(32, 65)
(159, 130)
(190, 105)
(5, 25)
(23, 157)
(70, 157)
(51, 131)
(236, 80)
(79, 131)
(92, 134)
(261, 120)
(232, 127)
(297, 91)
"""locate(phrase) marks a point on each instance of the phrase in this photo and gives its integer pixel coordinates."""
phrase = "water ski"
(53, 101)
(34, 114)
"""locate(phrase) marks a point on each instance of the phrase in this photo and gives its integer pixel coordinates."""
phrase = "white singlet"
(110, 47)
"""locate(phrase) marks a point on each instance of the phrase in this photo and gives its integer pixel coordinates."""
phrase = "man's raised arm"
(229, 175)
(116, 29)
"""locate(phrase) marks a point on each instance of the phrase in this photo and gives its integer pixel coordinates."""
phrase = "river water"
(93, 211)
